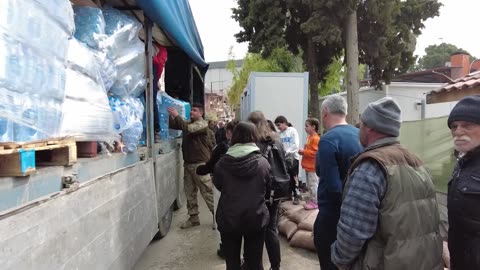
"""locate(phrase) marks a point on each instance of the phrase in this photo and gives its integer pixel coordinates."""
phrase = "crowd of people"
(376, 199)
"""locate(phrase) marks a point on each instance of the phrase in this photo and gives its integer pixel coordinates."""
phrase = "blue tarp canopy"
(175, 18)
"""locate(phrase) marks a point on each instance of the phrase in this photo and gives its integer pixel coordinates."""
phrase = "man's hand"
(172, 111)
(301, 151)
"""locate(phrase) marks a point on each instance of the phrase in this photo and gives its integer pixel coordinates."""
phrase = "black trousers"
(293, 172)
(324, 235)
(272, 243)
(252, 249)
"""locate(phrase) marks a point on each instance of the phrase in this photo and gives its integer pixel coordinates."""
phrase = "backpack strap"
(268, 150)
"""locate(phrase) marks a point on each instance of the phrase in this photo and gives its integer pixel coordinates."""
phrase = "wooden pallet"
(21, 159)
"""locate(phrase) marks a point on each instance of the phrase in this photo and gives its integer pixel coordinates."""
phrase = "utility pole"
(352, 68)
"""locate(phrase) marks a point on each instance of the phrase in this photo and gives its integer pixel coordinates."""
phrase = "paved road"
(195, 249)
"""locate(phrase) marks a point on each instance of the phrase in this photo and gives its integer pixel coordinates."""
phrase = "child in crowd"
(308, 160)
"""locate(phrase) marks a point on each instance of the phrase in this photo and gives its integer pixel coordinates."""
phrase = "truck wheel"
(165, 223)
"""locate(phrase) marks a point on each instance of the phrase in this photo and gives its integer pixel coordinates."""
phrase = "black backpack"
(278, 172)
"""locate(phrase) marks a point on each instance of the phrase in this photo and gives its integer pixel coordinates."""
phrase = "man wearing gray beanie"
(389, 216)
(464, 187)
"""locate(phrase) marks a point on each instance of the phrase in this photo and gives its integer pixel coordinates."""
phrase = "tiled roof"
(469, 81)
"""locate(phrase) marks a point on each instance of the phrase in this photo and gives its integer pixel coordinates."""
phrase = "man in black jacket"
(464, 188)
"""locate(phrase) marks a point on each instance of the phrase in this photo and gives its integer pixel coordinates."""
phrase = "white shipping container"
(278, 93)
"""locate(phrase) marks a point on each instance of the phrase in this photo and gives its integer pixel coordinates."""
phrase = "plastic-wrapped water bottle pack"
(115, 21)
(121, 54)
(84, 60)
(45, 25)
(86, 112)
(127, 120)
(30, 117)
(89, 25)
(33, 44)
(6, 130)
(59, 10)
(163, 102)
(130, 70)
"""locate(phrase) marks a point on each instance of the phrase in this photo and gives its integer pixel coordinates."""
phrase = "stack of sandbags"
(296, 224)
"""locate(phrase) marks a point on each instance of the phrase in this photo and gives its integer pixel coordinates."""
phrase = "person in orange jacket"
(308, 160)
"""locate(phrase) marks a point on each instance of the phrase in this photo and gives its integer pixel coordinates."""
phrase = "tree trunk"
(352, 68)
(311, 55)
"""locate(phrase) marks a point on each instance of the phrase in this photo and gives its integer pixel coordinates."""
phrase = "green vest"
(407, 235)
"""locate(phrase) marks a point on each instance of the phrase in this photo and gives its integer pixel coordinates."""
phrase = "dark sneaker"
(296, 201)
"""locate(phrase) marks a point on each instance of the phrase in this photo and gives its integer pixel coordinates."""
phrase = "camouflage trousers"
(194, 182)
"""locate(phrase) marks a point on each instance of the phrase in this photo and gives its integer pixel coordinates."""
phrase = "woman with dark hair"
(267, 137)
(291, 144)
(243, 178)
(219, 150)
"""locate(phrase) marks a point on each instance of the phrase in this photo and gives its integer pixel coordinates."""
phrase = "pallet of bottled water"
(34, 38)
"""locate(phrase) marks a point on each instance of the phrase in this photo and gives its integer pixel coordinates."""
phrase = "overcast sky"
(457, 24)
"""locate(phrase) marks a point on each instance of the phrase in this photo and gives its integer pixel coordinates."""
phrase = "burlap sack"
(303, 239)
(307, 223)
(287, 208)
(287, 228)
(299, 215)
(446, 255)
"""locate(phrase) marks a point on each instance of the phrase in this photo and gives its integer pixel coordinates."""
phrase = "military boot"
(191, 222)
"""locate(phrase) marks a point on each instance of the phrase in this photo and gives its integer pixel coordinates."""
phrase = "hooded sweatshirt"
(242, 176)
(291, 142)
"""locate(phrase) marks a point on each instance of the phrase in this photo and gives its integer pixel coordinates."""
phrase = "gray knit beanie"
(383, 116)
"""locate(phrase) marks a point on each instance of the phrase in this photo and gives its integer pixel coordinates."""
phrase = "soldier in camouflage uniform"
(198, 142)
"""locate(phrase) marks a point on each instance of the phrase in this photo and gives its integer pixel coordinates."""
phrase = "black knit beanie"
(467, 109)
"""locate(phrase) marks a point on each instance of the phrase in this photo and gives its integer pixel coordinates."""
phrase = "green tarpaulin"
(431, 140)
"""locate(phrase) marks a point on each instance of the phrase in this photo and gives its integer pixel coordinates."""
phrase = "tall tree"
(387, 31)
(437, 55)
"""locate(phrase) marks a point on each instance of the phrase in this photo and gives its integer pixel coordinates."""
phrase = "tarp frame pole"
(149, 98)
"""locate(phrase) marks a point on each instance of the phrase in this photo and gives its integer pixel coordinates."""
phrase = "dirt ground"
(195, 248)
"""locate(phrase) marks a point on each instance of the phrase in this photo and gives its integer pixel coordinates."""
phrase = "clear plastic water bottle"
(15, 67)
(3, 63)
(131, 136)
(25, 131)
(6, 130)
(120, 119)
(163, 122)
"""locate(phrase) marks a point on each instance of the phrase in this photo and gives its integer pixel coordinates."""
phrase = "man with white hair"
(389, 216)
(464, 188)
(332, 161)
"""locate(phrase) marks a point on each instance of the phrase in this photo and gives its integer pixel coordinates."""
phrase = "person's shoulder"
(262, 161)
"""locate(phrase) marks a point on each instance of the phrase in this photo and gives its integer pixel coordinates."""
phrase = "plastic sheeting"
(431, 141)
(176, 19)
(33, 44)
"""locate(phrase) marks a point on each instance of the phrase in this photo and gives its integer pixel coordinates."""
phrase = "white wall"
(275, 94)
(278, 96)
(219, 78)
(409, 96)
